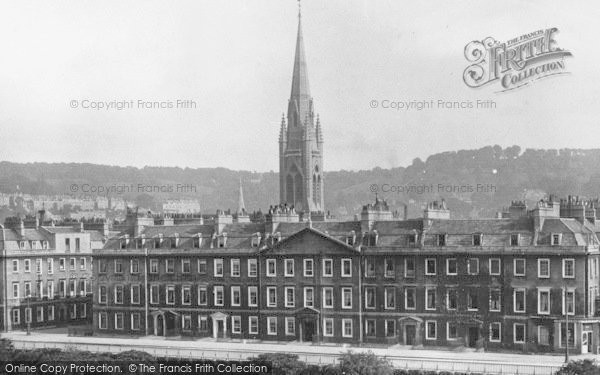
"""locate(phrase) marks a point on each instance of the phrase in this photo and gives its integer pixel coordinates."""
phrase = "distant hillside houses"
(181, 206)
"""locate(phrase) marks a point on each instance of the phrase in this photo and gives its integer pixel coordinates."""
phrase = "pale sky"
(234, 59)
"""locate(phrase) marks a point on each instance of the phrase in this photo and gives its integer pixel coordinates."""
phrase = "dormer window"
(222, 240)
(34, 245)
(556, 239)
(276, 238)
(197, 241)
(45, 245)
(124, 242)
(412, 239)
(477, 239)
(441, 239)
(370, 238)
(256, 239)
(174, 241)
(158, 241)
(22, 244)
(351, 239)
(141, 242)
(514, 239)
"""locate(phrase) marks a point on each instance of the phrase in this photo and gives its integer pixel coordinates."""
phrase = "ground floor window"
(370, 327)
(28, 315)
(236, 324)
(430, 330)
(390, 328)
(495, 332)
(328, 327)
(203, 322)
(451, 331)
(73, 311)
(102, 320)
(50, 313)
(253, 325)
(290, 326)
(519, 333)
(570, 333)
(40, 314)
(83, 310)
(272, 325)
(186, 322)
(16, 316)
(135, 321)
(347, 327)
(118, 320)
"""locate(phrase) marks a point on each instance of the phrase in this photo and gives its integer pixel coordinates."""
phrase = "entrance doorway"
(308, 330)
(220, 328)
(586, 342)
(410, 334)
(160, 326)
(473, 336)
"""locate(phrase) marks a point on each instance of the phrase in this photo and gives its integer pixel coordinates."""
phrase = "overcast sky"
(234, 59)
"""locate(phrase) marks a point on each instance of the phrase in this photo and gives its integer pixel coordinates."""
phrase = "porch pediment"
(218, 315)
(307, 312)
(411, 318)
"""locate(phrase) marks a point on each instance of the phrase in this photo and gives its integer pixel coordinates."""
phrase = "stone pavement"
(210, 344)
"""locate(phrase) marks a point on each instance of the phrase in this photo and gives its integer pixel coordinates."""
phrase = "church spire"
(300, 95)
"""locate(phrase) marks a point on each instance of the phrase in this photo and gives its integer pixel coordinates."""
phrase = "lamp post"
(28, 310)
(567, 333)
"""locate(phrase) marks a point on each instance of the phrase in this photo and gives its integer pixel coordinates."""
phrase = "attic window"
(276, 238)
(123, 243)
(34, 245)
(141, 242)
(370, 239)
(158, 242)
(477, 239)
(222, 240)
(412, 239)
(556, 239)
(197, 241)
(44, 245)
(174, 242)
(22, 244)
(514, 239)
(441, 239)
(256, 240)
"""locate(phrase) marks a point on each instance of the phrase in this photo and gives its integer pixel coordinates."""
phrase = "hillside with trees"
(507, 173)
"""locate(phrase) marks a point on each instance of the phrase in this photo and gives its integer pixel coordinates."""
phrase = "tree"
(581, 367)
(364, 364)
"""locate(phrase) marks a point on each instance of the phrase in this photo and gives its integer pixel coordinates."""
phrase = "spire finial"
(299, 9)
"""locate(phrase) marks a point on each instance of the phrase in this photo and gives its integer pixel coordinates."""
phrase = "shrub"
(581, 367)
(365, 364)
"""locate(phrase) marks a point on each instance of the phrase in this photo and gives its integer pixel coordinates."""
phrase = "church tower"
(301, 142)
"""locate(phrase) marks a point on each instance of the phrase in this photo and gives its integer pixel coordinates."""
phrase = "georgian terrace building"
(46, 272)
(502, 283)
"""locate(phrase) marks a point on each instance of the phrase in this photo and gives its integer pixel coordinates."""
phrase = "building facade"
(46, 273)
(502, 283)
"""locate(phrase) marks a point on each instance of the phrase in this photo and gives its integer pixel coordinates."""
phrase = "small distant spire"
(299, 9)
(241, 205)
